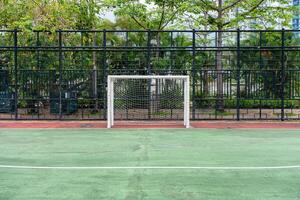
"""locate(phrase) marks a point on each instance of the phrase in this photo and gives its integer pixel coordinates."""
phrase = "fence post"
(105, 71)
(194, 75)
(282, 73)
(126, 45)
(171, 53)
(238, 91)
(260, 71)
(16, 72)
(60, 72)
(149, 52)
(38, 60)
(149, 70)
(104, 52)
(37, 50)
(95, 73)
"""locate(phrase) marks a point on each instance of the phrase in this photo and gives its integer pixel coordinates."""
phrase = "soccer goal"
(148, 98)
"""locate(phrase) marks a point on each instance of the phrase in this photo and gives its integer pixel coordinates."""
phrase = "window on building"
(296, 23)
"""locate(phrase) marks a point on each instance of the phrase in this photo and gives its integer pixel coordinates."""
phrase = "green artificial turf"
(164, 147)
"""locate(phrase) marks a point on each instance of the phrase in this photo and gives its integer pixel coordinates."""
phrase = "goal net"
(148, 98)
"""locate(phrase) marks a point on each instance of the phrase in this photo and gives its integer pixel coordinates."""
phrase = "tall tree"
(148, 14)
(222, 15)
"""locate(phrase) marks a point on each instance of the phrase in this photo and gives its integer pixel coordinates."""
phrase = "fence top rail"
(183, 31)
(7, 30)
(155, 31)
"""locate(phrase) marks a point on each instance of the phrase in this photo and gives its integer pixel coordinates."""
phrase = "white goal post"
(138, 97)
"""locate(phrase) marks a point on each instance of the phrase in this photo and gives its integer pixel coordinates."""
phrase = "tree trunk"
(205, 76)
(205, 83)
(158, 45)
(156, 101)
(219, 68)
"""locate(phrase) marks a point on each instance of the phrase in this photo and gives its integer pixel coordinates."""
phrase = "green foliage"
(155, 14)
(151, 14)
(171, 97)
(249, 104)
(227, 14)
(49, 15)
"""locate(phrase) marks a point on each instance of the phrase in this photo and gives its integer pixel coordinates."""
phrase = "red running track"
(155, 124)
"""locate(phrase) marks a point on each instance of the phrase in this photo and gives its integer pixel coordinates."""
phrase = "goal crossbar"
(111, 87)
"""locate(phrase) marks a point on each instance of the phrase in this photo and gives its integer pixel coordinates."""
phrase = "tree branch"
(162, 16)
(140, 24)
(197, 20)
(253, 8)
(170, 19)
(231, 5)
(208, 5)
(248, 12)
(36, 3)
(44, 13)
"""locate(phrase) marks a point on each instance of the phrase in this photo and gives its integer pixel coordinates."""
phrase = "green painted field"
(142, 148)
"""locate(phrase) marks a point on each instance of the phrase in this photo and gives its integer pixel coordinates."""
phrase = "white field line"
(150, 167)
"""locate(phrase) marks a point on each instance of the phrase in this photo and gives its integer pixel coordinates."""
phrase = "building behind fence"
(295, 22)
(250, 75)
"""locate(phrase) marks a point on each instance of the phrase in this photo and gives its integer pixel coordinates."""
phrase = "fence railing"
(249, 75)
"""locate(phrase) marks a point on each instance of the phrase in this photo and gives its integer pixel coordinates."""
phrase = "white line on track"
(150, 167)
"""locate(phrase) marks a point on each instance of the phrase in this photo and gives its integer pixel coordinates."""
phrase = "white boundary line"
(151, 167)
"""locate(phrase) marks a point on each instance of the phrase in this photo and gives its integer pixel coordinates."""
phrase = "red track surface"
(137, 124)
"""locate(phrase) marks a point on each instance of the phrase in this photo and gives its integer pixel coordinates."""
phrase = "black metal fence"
(237, 75)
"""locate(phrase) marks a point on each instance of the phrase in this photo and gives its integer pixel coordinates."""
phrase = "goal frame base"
(148, 124)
